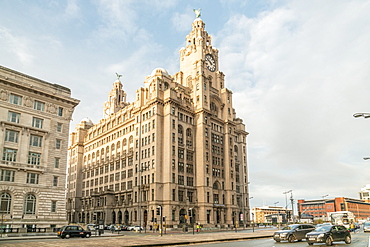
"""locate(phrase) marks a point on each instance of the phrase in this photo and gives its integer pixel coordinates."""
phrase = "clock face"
(210, 63)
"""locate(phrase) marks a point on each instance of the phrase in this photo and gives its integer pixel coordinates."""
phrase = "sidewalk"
(150, 239)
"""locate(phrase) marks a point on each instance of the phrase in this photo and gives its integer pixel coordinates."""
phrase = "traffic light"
(158, 211)
(288, 215)
(94, 217)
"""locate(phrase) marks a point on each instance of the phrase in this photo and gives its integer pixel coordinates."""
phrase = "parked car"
(73, 231)
(135, 228)
(91, 227)
(293, 232)
(124, 228)
(367, 226)
(328, 234)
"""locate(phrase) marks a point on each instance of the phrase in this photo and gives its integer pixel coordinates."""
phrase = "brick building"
(320, 208)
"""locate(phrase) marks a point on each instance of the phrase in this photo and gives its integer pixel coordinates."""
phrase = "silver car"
(367, 226)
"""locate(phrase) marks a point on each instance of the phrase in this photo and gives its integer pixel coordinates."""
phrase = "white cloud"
(72, 10)
(118, 19)
(181, 21)
(16, 46)
(297, 73)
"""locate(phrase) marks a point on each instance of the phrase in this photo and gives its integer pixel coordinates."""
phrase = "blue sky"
(298, 70)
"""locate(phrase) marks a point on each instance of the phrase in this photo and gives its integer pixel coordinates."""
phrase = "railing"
(9, 230)
(36, 229)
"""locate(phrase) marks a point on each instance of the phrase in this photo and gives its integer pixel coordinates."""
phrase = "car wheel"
(291, 238)
(68, 236)
(277, 241)
(329, 241)
(347, 239)
(310, 243)
(88, 235)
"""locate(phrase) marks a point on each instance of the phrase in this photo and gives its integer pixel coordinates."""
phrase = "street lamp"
(245, 204)
(364, 115)
(286, 199)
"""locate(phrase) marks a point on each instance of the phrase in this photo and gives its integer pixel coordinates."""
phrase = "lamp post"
(364, 115)
(286, 199)
(252, 215)
(286, 202)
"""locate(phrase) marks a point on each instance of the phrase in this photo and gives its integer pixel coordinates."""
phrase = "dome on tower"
(159, 70)
(87, 121)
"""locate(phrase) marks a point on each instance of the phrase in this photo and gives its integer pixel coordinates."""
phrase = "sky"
(298, 71)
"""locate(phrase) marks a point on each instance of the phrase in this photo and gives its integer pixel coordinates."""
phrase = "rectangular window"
(181, 195)
(60, 111)
(58, 144)
(32, 178)
(181, 180)
(59, 127)
(55, 181)
(37, 122)
(15, 99)
(35, 141)
(10, 154)
(14, 117)
(53, 206)
(11, 136)
(7, 175)
(56, 162)
(37, 105)
(34, 158)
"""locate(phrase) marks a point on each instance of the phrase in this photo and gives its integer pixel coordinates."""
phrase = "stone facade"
(35, 117)
(179, 148)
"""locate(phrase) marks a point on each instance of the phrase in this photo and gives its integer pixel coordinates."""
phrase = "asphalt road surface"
(358, 240)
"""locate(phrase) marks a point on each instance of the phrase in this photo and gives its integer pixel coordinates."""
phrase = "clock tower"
(199, 65)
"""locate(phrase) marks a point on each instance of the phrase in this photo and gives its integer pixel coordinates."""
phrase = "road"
(358, 240)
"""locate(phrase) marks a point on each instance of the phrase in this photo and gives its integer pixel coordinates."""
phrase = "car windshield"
(367, 224)
(291, 227)
(324, 228)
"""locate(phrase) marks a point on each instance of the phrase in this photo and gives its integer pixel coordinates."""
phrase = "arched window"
(30, 204)
(216, 186)
(5, 203)
(166, 86)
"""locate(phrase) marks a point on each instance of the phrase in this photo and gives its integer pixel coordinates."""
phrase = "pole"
(292, 201)
(161, 221)
(192, 219)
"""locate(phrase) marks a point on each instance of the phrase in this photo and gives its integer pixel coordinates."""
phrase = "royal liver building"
(179, 146)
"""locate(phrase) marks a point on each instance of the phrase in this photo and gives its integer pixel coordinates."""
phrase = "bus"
(343, 218)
